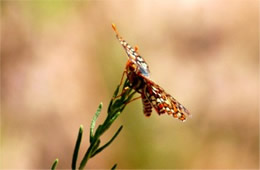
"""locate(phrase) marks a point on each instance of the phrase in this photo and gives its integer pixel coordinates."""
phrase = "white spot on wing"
(140, 58)
(179, 115)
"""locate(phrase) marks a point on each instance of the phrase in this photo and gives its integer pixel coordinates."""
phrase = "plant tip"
(81, 128)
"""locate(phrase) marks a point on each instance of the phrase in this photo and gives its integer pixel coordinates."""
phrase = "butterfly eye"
(132, 67)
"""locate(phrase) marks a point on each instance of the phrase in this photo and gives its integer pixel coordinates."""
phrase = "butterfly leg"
(122, 78)
(121, 94)
(125, 89)
(133, 99)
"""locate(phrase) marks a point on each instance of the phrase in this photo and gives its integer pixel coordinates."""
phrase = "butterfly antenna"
(125, 45)
(116, 31)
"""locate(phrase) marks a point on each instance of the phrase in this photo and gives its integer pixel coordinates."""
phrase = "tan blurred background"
(60, 59)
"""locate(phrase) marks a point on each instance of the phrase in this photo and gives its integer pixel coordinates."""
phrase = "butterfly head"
(131, 66)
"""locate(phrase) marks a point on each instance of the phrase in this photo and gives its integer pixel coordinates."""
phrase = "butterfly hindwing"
(164, 102)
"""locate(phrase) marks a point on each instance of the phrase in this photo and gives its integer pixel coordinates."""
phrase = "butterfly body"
(153, 96)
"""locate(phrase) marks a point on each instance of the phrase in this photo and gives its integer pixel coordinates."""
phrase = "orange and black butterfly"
(153, 96)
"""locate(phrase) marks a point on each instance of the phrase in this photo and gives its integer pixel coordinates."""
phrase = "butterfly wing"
(133, 55)
(164, 102)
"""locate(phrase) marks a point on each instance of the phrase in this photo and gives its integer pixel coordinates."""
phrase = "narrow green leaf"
(95, 146)
(114, 117)
(110, 105)
(113, 98)
(76, 150)
(126, 83)
(98, 132)
(116, 91)
(53, 167)
(124, 95)
(86, 156)
(109, 142)
(93, 123)
(114, 167)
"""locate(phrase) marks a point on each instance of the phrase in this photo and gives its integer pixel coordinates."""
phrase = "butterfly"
(153, 95)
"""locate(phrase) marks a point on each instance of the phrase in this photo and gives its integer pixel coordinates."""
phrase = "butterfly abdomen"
(147, 107)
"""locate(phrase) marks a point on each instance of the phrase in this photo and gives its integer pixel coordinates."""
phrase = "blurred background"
(60, 59)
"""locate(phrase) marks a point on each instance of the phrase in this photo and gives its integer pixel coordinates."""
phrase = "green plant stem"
(108, 143)
(116, 106)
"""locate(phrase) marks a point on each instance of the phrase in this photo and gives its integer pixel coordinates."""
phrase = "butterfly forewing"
(133, 55)
(164, 102)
